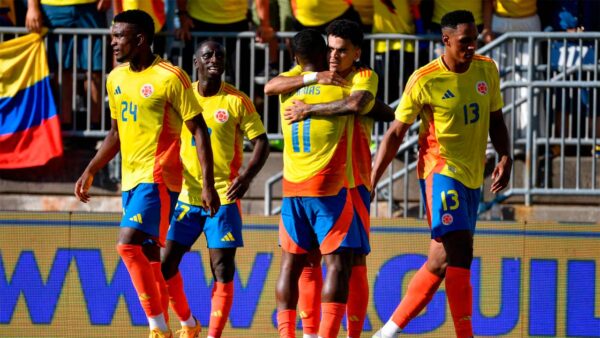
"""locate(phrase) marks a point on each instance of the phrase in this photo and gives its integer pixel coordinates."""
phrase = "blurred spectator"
(394, 16)
(72, 14)
(269, 17)
(318, 14)
(479, 8)
(156, 9)
(514, 16)
(584, 12)
(366, 10)
(7, 13)
(216, 16)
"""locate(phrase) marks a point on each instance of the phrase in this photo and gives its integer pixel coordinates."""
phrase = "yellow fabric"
(441, 7)
(448, 104)
(229, 115)
(365, 9)
(313, 13)
(156, 9)
(149, 107)
(304, 155)
(66, 2)
(18, 69)
(393, 20)
(218, 11)
(516, 8)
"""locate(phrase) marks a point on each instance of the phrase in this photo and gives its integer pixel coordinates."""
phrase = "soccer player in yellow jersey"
(316, 212)
(149, 101)
(230, 115)
(360, 86)
(458, 99)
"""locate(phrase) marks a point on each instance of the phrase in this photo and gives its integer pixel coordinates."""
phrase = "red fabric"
(161, 285)
(333, 313)
(460, 299)
(421, 289)
(177, 299)
(142, 278)
(358, 301)
(310, 285)
(286, 320)
(222, 299)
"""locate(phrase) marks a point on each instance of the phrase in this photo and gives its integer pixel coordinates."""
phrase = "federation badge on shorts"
(221, 115)
(147, 90)
(447, 219)
(481, 87)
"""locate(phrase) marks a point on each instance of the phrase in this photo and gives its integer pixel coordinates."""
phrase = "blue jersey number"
(305, 136)
(128, 107)
(471, 113)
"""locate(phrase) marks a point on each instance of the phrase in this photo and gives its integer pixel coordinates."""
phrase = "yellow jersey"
(150, 107)
(218, 11)
(396, 19)
(315, 149)
(312, 13)
(455, 117)
(365, 10)
(66, 2)
(441, 7)
(515, 8)
(229, 115)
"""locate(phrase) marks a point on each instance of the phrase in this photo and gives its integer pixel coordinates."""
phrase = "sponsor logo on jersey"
(448, 95)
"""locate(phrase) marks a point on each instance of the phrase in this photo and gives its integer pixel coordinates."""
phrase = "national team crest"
(221, 115)
(147, 90)
(447, 219)
(482, 87)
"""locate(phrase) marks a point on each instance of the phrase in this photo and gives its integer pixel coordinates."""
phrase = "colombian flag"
(29, 127)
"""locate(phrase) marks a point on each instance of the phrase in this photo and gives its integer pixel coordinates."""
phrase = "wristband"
(309, 78)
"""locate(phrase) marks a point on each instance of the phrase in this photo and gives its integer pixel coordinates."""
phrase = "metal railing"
(549, 81)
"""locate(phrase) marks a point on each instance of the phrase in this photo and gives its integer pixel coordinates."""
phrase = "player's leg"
(358, 297)
(453, 221)
(147, 208)
(338, 237)
(310, 286)
(187, 223)
(296, 239)
(223, 235)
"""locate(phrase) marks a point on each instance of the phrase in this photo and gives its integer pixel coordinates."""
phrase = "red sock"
(358, 300)
(460, 299)
(142, 278)
(177, 298)
(309, 298)
(333, 313)
(161, 285)
(222, 299)
(286, 323)
(421, 289)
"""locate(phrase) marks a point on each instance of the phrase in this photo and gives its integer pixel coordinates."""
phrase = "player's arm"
(381, 112)
(352, 104)
(210, 198)
(240, 184)
(285, 84)
(388, 149)
(109, 148)
(185, 22)
(499, 137)
(33, 18)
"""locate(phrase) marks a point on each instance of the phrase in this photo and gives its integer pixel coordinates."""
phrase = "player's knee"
(224, 271)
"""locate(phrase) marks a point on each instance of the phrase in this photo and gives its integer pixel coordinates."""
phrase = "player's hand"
(487, 36)
(210, 200)
(83, 186)
(238, 188)
(185, 26)
(264, 34)
(330, 78)
(103, 5)
(298, 111)
(501, 174)
(33, 19)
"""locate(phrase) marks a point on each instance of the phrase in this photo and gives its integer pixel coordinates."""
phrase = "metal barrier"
(549, 81)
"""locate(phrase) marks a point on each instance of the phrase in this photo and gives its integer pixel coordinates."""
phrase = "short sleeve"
(111, 99)
(496, 102)
(250, 122)
(181, 96)
(410, 104)
(365, 79)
